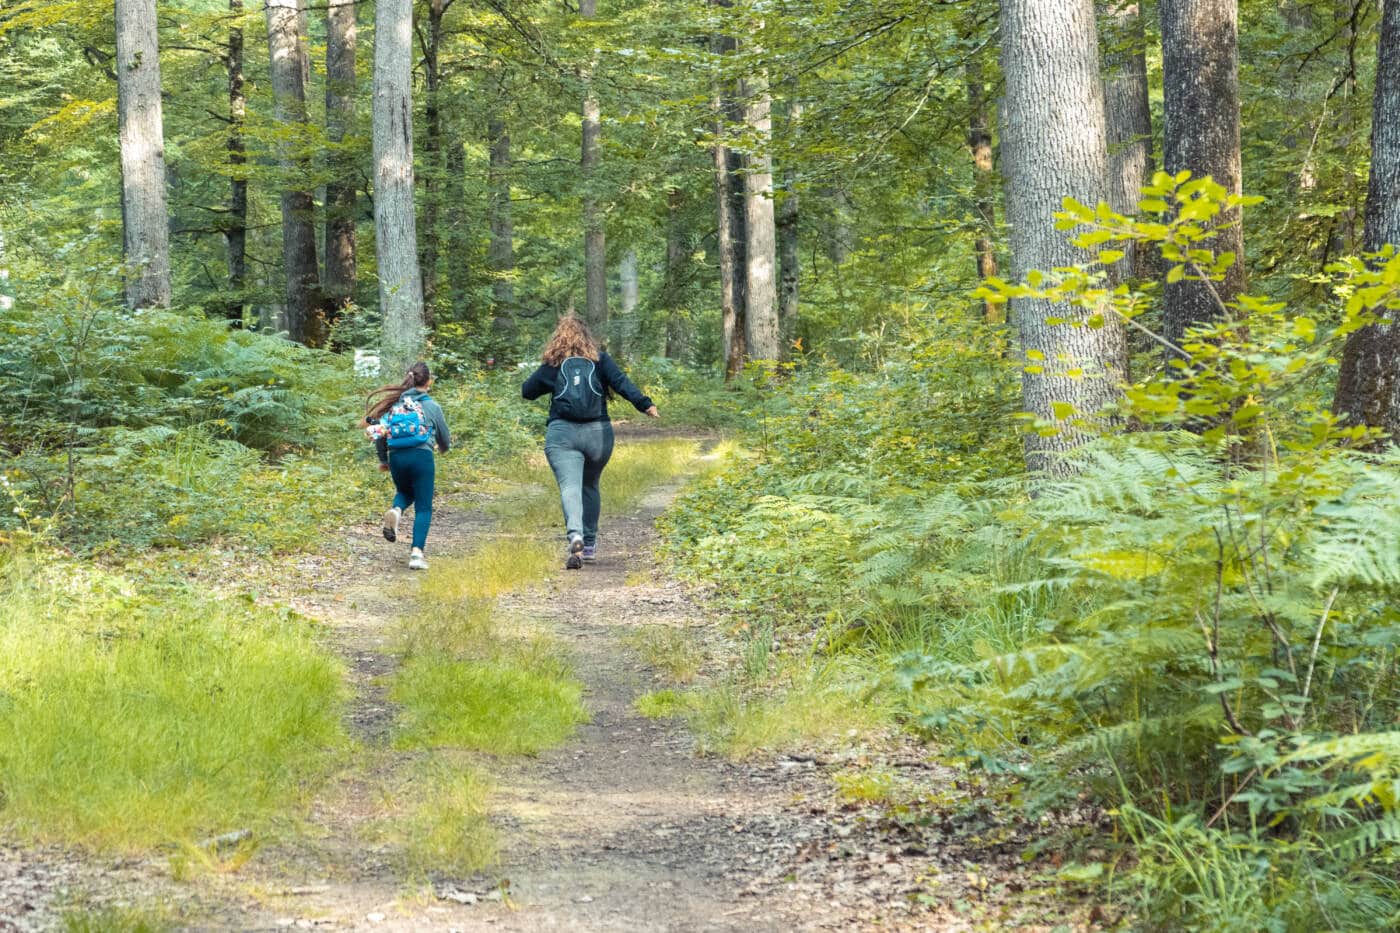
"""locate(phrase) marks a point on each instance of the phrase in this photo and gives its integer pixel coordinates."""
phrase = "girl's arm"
(623, 386)
(540, 382)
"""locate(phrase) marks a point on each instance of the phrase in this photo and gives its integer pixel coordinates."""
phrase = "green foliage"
(444, 827)
(132, 718)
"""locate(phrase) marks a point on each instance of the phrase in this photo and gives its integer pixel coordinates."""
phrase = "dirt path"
(624, 827)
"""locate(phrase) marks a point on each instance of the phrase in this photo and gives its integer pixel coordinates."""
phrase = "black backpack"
(578, 396)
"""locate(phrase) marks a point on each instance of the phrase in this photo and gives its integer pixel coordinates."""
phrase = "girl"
(405, 448)
(579, 438)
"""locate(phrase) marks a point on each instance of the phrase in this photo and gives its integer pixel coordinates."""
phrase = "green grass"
(494, 568)
(445, 828)
(128, 720)
(870, 785)
(116, 920)
(673, 651)
(518, 703)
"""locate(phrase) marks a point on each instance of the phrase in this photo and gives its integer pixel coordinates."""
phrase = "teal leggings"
(413, 472)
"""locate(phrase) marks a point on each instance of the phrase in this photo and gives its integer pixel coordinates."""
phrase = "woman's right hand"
(383, 468)
(653, 413)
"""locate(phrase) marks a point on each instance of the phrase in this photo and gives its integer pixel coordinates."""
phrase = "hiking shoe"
(416, 560)
(575, 562)
(589, 553)
(391, 524)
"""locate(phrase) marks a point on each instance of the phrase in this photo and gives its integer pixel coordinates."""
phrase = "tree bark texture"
(140, 130)
(761, 281)
(341, 88)
(730, 240)
(979, 144)
(1053, 146)
(677, 259)
(459, 238)
(306, 323)
(595, 258)
(400, 285)
(789, 262)
(1129, 117)
(1201, 95)
(1369, 382)
(236, 227)
(625, 327)
(500, 256)
(431, 179)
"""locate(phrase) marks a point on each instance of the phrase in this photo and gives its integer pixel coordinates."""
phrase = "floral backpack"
(405, 425)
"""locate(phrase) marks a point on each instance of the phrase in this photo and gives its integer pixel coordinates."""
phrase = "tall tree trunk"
(1368, 383)
(140, 130)
(431, 179)
(677, 259)
(788, 260)
(761, 285)
(979, 143)
(1050, 58)
(341, 88)
(730, 237)
(1200, 77)
(838, 248)
(595, 270)
(459, 238)
(286, 48)
(500, 256)
(1129, 116)
(400, 285)
(236, 227)
(625, 327)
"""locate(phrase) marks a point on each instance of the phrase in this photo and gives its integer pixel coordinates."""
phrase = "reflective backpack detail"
(577, 395)
(405, 425)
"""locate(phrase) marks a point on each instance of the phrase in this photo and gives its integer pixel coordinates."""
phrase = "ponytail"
(382, 399)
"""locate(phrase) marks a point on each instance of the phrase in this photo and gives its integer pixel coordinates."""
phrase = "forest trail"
(623, 827)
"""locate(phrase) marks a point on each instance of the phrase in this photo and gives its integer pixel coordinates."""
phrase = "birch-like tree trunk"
(140, 131)
(341, 89)
(306, 322)
(979, 144)
(625, 327)
(236, 226)
(396, 246)
(595, 256)
(500, 255)
(1201, 106)
(761, 280)
(1053, 146)
(1129, 116)
(1369, 381)
(789, 261)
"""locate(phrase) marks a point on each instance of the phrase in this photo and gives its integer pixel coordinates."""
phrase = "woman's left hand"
(383, 468)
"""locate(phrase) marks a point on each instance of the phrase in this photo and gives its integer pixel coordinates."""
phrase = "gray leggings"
(577, 453)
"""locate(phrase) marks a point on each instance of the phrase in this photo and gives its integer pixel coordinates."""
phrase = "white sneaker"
(391, 524)
(416, 560)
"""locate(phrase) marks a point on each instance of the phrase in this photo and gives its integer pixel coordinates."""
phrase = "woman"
(579, 438)
(405, 424)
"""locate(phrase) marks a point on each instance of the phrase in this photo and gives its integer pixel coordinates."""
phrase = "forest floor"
(622, 827)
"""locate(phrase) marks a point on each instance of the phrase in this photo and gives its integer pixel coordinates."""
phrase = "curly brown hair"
(571, 337)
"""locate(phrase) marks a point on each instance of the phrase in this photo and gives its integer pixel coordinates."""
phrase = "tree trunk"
(761, 285)
(979, 143)
(286, 48)
(677, 259)
(595, 270)
(625, 328)
(838, 249)
(788, 260)
(140, 130)
(236, 227)
(459, 239)
(730, 238)
(1368, 383)
(1129, 117)
(500, 257)
(341, 88)
(1053, 146)
(400, 285)
(431, 179)
(1200, 76)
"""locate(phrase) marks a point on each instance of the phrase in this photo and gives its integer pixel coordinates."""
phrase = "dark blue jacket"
(544, 379)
